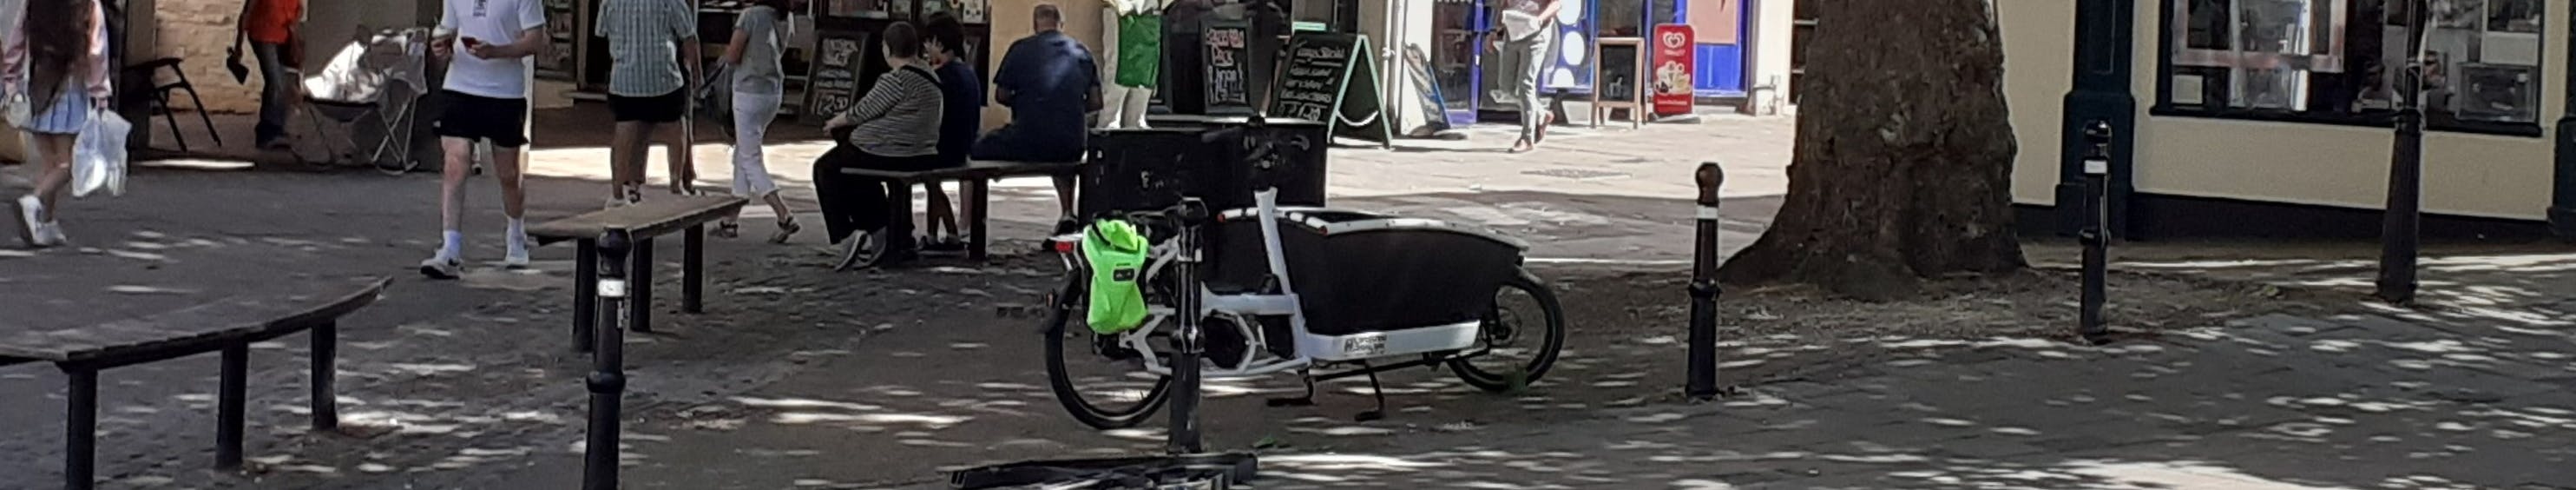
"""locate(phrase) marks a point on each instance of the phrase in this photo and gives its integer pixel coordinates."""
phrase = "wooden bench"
(973, 179)
(641, 222)
(228, 325)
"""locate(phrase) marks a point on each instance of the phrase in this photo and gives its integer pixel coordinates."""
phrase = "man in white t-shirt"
(490, 45)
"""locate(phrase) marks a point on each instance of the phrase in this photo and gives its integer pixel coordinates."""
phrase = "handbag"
(98, 156)
(18, 108)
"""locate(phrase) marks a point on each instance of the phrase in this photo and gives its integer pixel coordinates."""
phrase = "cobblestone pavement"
(441, 375)
(801, 378)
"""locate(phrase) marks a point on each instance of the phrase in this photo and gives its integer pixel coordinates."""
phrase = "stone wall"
(199, 32)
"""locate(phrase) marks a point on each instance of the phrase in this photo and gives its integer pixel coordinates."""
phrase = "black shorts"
(655, 109)
(473, 117)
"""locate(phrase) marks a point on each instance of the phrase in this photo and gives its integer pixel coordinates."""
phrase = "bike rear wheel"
(1520, 345)
(1098, 390)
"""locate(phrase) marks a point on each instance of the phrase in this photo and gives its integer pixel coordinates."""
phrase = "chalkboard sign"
(835, 82)
(1426, 85)
(1328, 76)
(1617, 81)
(1229, 50)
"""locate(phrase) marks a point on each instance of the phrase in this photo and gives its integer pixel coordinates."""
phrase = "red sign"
(1672, 69)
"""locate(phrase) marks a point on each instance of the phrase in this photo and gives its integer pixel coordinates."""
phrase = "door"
(1718, 57)
(1460, 29)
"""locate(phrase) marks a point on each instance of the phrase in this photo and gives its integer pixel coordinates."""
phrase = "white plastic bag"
(98, 157)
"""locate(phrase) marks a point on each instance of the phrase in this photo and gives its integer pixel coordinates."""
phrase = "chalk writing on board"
(1227, 45)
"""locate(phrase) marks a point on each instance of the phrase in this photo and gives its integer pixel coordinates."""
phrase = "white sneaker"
(517, 256)
(441, 266)
(50, 234)
(30, 230)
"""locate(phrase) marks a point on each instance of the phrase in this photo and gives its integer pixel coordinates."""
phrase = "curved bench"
(228, 325)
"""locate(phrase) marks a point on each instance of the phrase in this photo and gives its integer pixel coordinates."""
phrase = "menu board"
(1426, 85)
(1617, 80)
(1311, 78)
(836, 75)
(1327, 76)
(1228, 62)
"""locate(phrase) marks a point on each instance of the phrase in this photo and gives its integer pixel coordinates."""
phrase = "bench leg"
(585, 293)
(326, 373)
(229, 399)
(639, 304)
(693, 280)
(979, 193)
(80, 430)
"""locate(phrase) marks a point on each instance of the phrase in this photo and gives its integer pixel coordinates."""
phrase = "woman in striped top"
(894, 127)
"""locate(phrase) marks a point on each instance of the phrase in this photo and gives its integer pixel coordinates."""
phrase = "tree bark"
(1903, 164)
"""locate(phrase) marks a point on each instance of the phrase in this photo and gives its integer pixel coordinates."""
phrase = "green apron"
(1140, 50)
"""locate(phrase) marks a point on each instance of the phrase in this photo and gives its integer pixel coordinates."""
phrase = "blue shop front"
(1475, 83)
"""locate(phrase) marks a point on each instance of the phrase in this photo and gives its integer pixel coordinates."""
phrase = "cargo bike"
(1318, 292)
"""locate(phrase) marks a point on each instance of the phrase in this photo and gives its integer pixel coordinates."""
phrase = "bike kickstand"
(1378, 391)
(1303, 401)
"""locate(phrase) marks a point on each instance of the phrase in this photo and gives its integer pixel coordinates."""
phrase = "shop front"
(1474, 82)
(830, 58)
(2273, 117)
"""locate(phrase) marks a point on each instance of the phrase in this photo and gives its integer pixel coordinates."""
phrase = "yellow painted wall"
(1010, 21)
(2346, 166)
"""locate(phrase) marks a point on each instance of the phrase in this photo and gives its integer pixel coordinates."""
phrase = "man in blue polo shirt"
(1050, 83)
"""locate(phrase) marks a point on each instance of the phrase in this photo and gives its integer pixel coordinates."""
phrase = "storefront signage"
(1673, 65)
(1228, 46)
(1329, 77)
(836, 76)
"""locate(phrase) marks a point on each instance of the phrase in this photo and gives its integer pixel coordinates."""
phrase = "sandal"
(786, 228)
(727, 229)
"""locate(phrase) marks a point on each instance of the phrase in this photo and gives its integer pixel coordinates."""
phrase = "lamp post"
(2401, 226)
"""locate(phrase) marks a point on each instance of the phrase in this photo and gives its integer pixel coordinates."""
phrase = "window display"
(2336, 61)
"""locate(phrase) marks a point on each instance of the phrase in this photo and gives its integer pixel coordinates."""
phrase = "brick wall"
(199, 31)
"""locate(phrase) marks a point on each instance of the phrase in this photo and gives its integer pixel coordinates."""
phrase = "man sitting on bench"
(894, 127)
(1050, 82)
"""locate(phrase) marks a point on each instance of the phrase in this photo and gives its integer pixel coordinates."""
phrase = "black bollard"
(607, 379)
(1184, 435)
(2096, 238)
(1704, 290)
(2403, 219)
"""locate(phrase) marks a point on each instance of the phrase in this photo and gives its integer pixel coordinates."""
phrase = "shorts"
(474, 117)
(655, 109)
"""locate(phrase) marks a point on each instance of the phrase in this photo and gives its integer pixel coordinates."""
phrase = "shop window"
(2336, 62)
(1620, 18)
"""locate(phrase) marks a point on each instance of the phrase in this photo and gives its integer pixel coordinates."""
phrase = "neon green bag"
(1117, 254)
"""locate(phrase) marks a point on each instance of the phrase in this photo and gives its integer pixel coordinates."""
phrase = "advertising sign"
(1673, 64)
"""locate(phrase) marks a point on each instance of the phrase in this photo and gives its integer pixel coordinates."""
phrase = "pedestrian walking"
(489, 45)
(270, 28)
(758, 87)
(56, 78)
(1528, 35)
(653, 59)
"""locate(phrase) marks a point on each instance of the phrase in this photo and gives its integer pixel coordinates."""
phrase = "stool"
(149, 70)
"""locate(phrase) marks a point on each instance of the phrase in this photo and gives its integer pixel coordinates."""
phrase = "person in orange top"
(271, 25)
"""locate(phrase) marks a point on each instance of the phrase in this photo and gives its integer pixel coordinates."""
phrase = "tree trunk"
(1903, 168)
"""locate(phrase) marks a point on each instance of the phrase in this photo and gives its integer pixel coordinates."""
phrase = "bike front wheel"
(1520, 337)
(1093, 378)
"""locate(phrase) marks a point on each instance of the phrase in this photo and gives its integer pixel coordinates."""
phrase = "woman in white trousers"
(758, 87)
